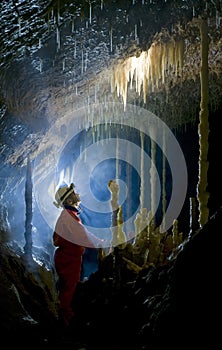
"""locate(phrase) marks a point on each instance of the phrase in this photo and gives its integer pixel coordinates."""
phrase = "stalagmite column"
(117, 155)
(194, 225)
(203, 128)
(142, 170)
(118, 235)
(153, 178)
(129, 182)
(28, 219)
(164, 181)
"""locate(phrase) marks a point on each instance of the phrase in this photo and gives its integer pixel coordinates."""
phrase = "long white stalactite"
(149, 69)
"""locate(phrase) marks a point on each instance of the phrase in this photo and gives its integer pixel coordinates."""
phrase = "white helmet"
(62, 193)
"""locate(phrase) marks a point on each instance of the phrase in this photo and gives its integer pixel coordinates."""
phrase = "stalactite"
(163, 61)
(149, 69)
(28, 221)
(90, 12)
(82, 65)
(179, 58)
(58, 38)
(203, 128)
(171, 54)
(111, 39)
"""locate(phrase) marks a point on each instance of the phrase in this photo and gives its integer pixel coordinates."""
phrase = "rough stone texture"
(177, 303)
(42, 78)
(54, 56)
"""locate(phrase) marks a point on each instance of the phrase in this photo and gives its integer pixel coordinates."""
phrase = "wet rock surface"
(176, 303)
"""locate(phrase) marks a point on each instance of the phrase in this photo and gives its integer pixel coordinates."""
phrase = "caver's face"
(73, 199)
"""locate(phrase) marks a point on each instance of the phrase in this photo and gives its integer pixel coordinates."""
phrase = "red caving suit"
(70, 239)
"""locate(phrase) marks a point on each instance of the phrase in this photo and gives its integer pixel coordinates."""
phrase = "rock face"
(54, 56)
(57, 57)
(174, 304)
(177, 303)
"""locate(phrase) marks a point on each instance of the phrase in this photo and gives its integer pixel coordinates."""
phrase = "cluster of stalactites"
(149, 69)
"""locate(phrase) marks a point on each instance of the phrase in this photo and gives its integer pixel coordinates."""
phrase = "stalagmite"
(117, 155)
(118, 235)
(137, 224)
(142, 170)
(177, 237)
(121, 236)
(154, 248)
(129, 179)
(141, 241)
(203, 128)
(29, 213)
(193, 216)
(141, 223)
(164, 181)
(153, 179)
(150, 227)
(132, 266)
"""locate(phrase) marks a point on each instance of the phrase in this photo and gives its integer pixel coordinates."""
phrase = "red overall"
(68, 262)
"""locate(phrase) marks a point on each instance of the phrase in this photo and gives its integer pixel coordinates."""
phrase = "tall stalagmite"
(203, 128)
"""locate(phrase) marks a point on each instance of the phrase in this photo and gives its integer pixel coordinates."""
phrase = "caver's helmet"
(63, 193)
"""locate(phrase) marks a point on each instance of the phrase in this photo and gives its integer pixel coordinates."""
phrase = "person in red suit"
(70, 239)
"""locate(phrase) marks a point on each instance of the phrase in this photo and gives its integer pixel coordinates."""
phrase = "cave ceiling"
(59, 56)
